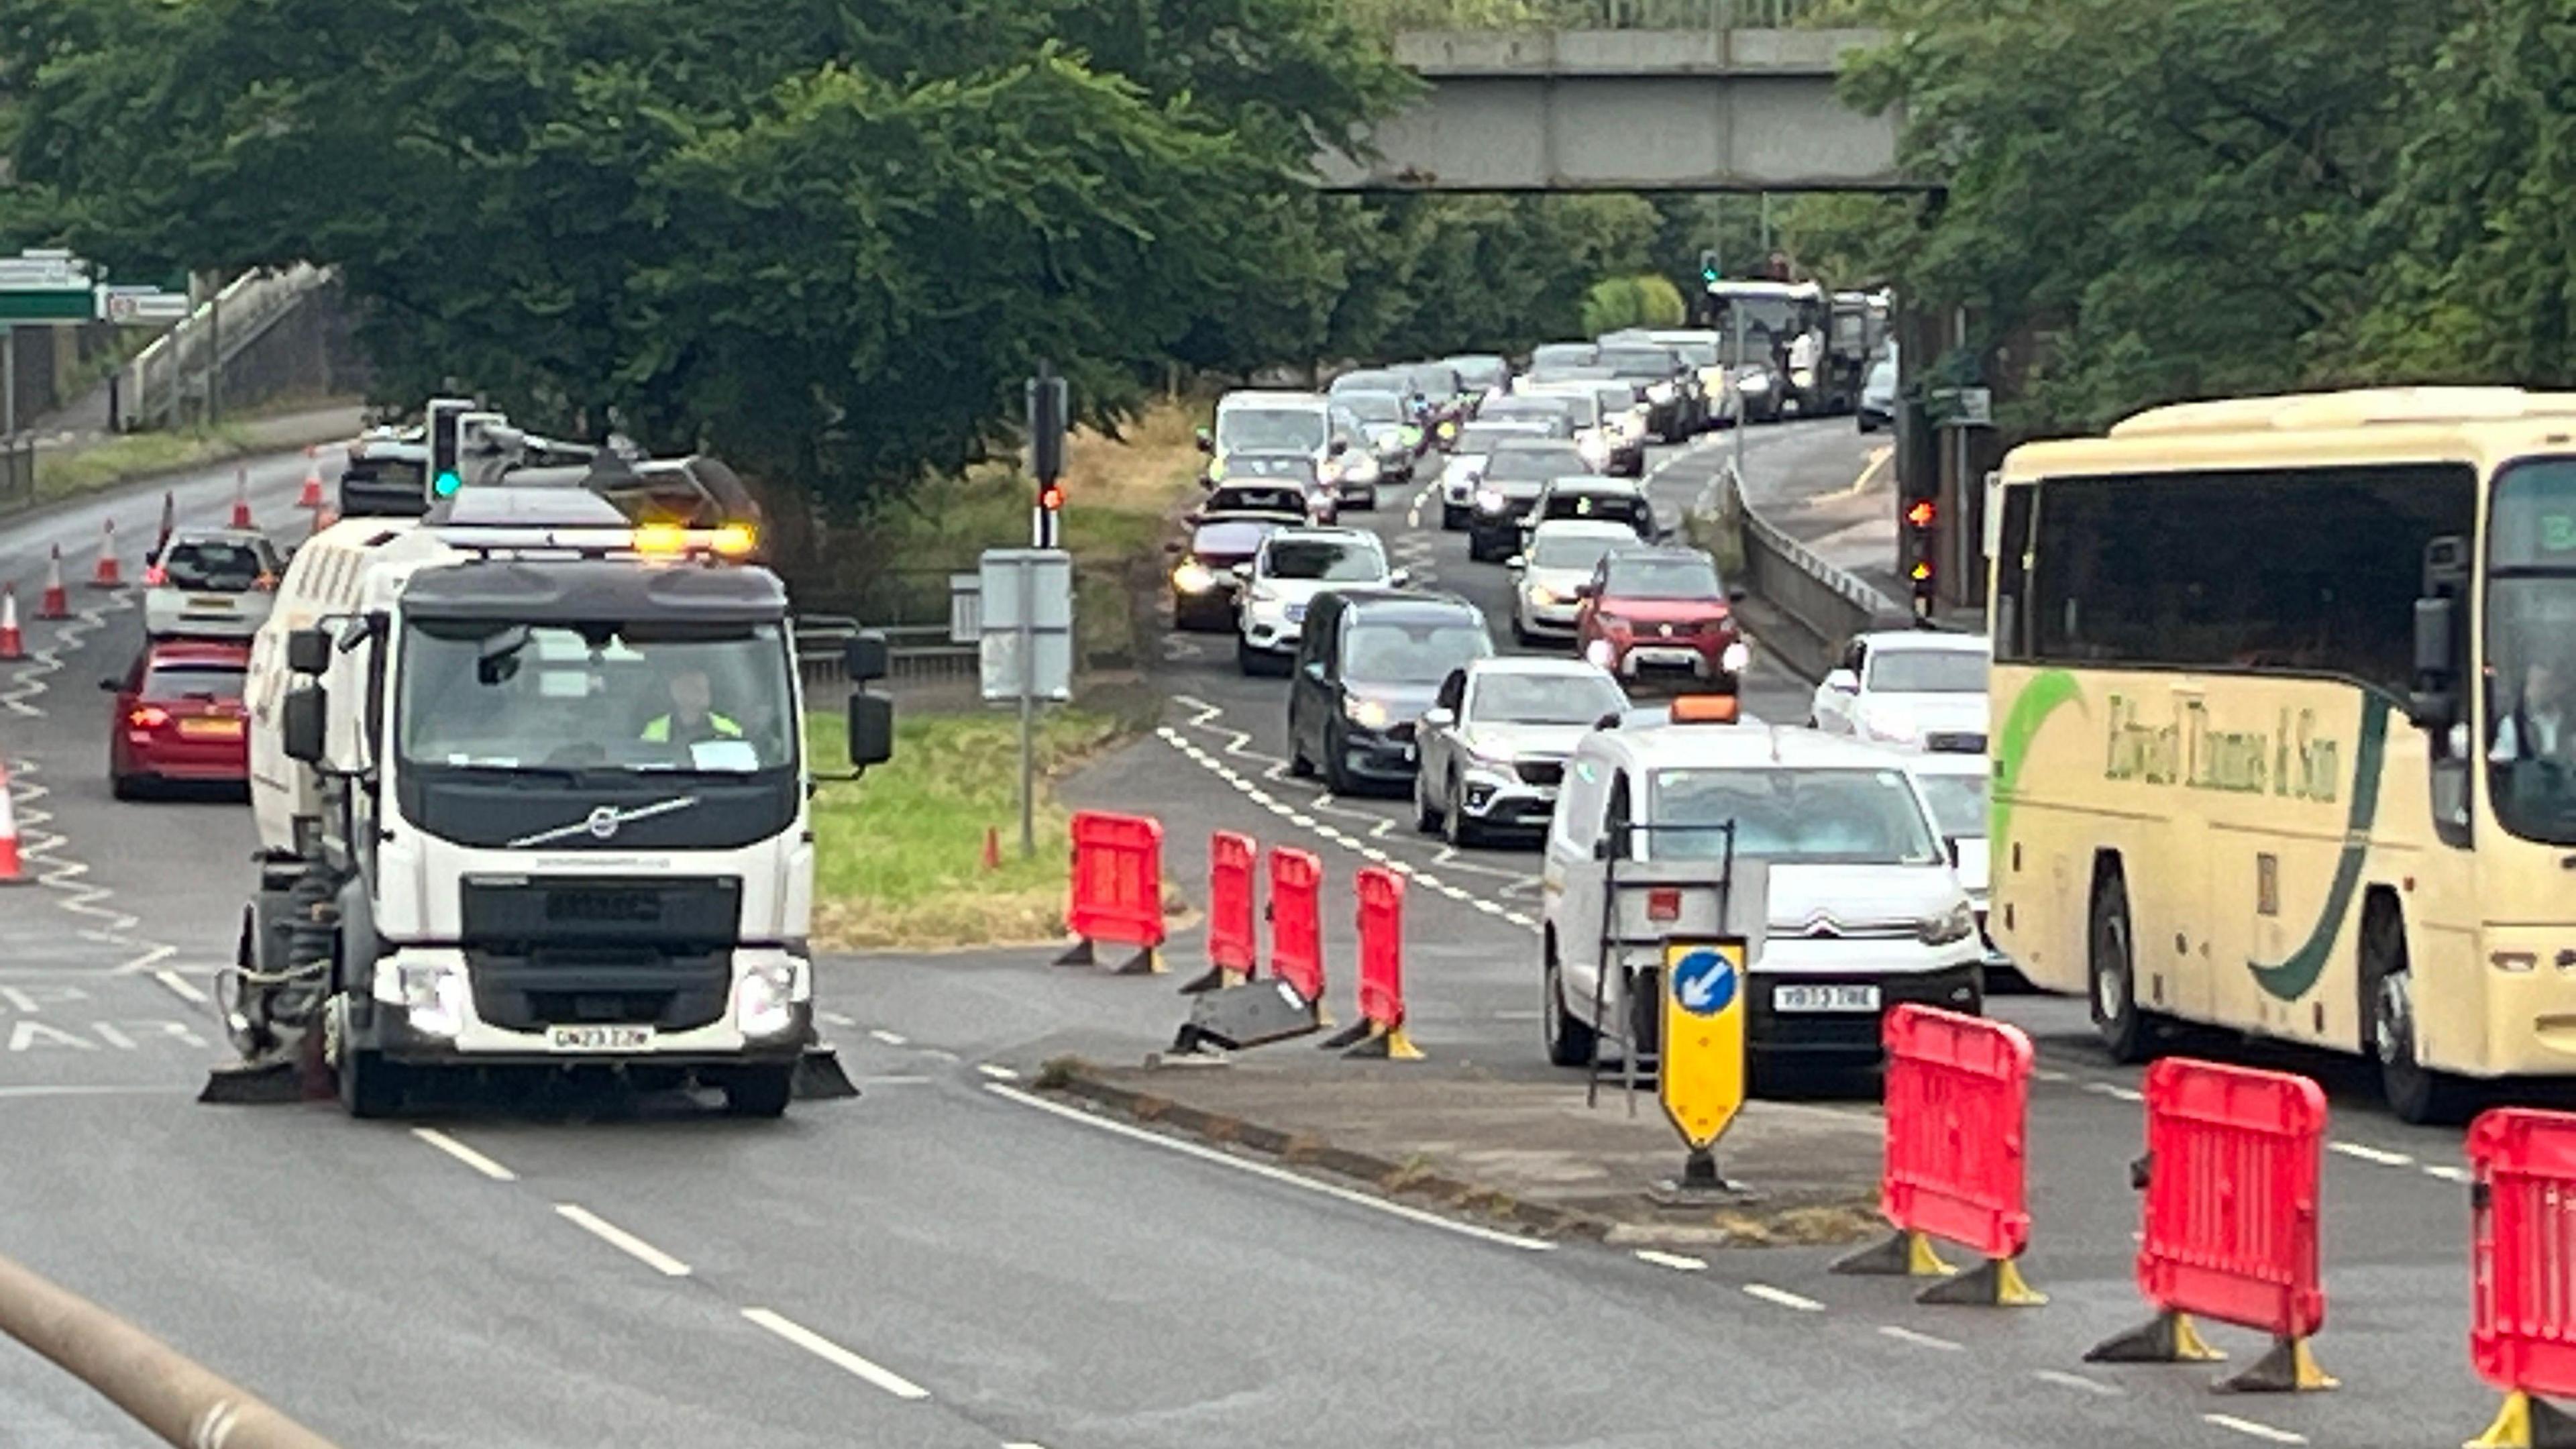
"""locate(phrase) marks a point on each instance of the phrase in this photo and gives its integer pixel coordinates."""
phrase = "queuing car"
(1596, 499)
(1484, 376)
(1369, 662)
(1514, 473)
(1283, 577)
(1296, 470)
(1878, 393)
(1351, 464)
(1203, 580)
(1670, 387)
(1920, 689)
(1662, 612)
(1284, 500)
(1395, 433)
(1863, 910)
(1702, 350)
(1494, 743)
(1551, 570)
(1476, 442)
(1600, 428)
(211, 583)
(1555, 357)
(179, 717)
(1367, 379)
(1442, 392)
(1954, 785)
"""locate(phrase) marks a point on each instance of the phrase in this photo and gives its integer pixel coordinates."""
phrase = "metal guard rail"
(1824, 605)
(915, 653)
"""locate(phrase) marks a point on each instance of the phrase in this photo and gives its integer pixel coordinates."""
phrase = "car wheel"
(1337, 775)
(1245, 660)
(2125, 1031)
(760, 1091)
(1452, 517)
(1570, 1043)
(2416, 1093)
(1455, 825)
(125, 787)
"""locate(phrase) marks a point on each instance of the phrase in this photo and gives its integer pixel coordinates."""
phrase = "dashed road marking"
(997, 1071)
(1919, 1340)
(2446, 1172)
(2378, 1157)
(1782, 1297)
(835, 1018)
(835, 1355)
(622, 1240)
(181, 987)
(2115, 1091)
(2251, 1428)
(2077, 1382)
(464, 1154)
(892, 1039)
(1675, 1261)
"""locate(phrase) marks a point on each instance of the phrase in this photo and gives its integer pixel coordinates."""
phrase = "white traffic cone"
(56, 603)
(13, 871)
(13, 644)
(107, 575)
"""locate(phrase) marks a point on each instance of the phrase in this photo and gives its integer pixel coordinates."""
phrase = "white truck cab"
(1861, 907)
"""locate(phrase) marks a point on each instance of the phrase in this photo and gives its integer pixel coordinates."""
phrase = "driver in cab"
(2541, 725)
(691, 720)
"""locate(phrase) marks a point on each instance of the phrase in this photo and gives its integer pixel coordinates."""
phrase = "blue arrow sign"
(1704, 982)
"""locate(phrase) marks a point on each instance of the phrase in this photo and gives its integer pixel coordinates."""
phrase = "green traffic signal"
(446, 484)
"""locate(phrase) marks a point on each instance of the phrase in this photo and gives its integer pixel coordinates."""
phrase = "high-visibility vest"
(658, 730)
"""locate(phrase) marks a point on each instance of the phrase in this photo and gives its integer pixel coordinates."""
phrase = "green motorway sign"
(80, 306)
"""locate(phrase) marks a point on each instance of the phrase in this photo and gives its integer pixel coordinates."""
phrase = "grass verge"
(898, 856)
(61, 473)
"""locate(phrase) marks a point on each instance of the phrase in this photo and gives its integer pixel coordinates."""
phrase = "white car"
(1955, 787)
(1918, 689)
(1493, 746)
(1465, 466)
(1291, 568)
(1560, 559)
(1862, 908)
(211, 583)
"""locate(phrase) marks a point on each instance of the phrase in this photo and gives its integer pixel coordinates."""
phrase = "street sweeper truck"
(531, 786)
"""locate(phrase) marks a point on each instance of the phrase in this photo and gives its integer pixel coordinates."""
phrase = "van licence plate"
(1824, 998)
(598, 1038)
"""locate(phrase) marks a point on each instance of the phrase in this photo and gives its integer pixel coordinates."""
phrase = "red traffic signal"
(1920, 514)
(1051, 497)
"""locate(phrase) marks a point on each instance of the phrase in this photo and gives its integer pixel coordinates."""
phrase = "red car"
(179, 717)
(1662, 612)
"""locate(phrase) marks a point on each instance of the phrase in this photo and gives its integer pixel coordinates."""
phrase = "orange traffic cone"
(241, 498)
(56, 604)
(12, 870)
(311, 497)
(169, 524)
(323, 518)
(992, 848)
(107, 575)
(13, 644)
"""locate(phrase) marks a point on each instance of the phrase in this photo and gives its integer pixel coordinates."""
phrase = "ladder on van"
(1615, 938)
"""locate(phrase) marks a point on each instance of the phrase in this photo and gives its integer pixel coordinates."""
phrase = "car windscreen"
(1433, 381)
(1481, 371)
(1375, 407)
(1254, 429)
(1662, 578)
(1559, 354)
(1697, 354)
(1616, 399)
(1331, 560)
(1789, 816)
(1544, 699)
(1583, 407)
(185, 679)
(1523, 463)
(1574, 551)
(1422, 650)
(1229, 540)
(1484, 437)
(1651, 362)
(1958, 803)
(1928, 671)
(1626, 508)
(1372, 380)
(1543, 421)
(212, 565)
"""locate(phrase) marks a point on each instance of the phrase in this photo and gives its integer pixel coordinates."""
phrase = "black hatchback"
(1369, 662)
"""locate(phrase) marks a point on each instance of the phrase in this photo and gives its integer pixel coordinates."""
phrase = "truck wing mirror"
(308, 651)
(866, 656)
(871, 729)
(301, 722)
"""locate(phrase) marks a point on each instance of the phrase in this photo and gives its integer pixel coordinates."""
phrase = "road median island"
(1513, 1150)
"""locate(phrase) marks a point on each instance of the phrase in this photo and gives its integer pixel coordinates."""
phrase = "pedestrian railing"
(17, 473)
(159, 382)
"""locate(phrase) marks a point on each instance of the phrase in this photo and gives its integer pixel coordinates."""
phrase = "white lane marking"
(1274, 1174)
(1675, 1261)
(835, 1355)
(181, 987)
(1782, 1297)
(2374, 1155)
(834, 1018)
(464, 1154)
(93, 1091)
(622, 1240)
(2114, 1090)
(2077, 1382)
(997, 1072)
(940, 1054)
(1919, 1340)
(2051, 1074)
(2445, 1172)
(2249, 1427)
(888, 1037)
(896, 1081)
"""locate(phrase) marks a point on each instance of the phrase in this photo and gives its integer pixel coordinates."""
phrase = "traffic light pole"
(1743, 413)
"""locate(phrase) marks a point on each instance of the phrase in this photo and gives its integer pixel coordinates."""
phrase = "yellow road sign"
(1701, 1077)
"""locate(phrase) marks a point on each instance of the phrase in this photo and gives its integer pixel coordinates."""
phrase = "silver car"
(1559, 560)
(1493, 747)
(211, 584)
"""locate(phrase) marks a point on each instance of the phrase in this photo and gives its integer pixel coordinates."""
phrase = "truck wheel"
(760, 1091)
(370, 1086)
(1452, 517)
(1570, 1043)
(2416, 1093)
(2126, 1033)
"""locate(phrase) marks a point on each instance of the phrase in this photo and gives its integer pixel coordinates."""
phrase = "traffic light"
(445, 416)
(1050, 404)
(1051, 497)
(1712, 266)
(1921, 547)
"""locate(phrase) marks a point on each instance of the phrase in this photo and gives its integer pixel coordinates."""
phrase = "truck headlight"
(1368, 714)
(1803, 377)
(764, 1000)
(1957, 923)
(434, 999)
(1734, 657)
(1193, 577)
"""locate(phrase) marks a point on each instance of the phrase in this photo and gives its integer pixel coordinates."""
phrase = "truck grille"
(612, 988)
(521, 915)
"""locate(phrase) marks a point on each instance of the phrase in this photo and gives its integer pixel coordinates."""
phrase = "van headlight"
(764, 1000)
(1957, 923)
(434, 999)
(1595, 449)
(1360, 468)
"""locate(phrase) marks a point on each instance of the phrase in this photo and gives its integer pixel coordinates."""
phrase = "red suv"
(179, 716)
(1662, 611)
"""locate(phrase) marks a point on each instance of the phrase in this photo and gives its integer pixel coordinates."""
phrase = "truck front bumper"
(406, 1031)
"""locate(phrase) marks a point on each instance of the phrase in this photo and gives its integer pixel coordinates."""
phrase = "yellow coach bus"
(2284, 728)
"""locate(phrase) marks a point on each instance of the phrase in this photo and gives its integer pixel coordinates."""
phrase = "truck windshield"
(484, 694)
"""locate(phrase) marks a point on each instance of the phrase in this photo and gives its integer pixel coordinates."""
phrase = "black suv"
(1369, 662)
(1514, 474)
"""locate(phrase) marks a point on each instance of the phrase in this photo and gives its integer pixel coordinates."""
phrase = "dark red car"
(179, 717)
(1662, 612)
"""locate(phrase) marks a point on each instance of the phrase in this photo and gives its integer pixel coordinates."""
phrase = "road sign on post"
(1701, 1072)
(1025, 605)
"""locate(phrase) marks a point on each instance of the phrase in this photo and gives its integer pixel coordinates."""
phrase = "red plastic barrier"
(2234, 1157)
(1381, 893)
(2522, 1333)
(1230, 942)
(1297, 921)
(1958, 1108)
(1117, 888)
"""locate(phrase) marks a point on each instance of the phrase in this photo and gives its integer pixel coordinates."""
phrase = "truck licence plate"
(598, 1038)
(1824, 998)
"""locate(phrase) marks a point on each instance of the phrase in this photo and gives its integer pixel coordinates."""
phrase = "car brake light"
(155, 576)
(1664, 904)
(149, 717)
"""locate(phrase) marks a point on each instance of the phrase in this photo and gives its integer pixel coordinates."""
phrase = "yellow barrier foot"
(1906, 1255)
(2170, 1338)
(1994, 1283)
(1147, 962)
(1386, 1042)
(2285, 1368)
(1078, 954)
(2527, 1423)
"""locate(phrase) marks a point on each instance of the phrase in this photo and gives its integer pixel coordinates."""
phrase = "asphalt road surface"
(949, 1262)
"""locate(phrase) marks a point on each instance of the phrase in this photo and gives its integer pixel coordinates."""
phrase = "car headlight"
(1489, 500)
(1957, 923)
(1756, 382)
(434, 999)
(1661, 392)
(1594, 448)
(1368, 714)
(1803, 377)
(1735, 657)
(1542, 594)
(1193, 577)
(764, 1000)
(1362, 468)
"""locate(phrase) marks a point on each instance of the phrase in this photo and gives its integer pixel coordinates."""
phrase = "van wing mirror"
(871, 729)
(301, 720)
(308, 651)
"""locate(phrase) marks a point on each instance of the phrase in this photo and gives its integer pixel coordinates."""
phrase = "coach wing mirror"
(308, 651)
(2435, 702)
(300, 723)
